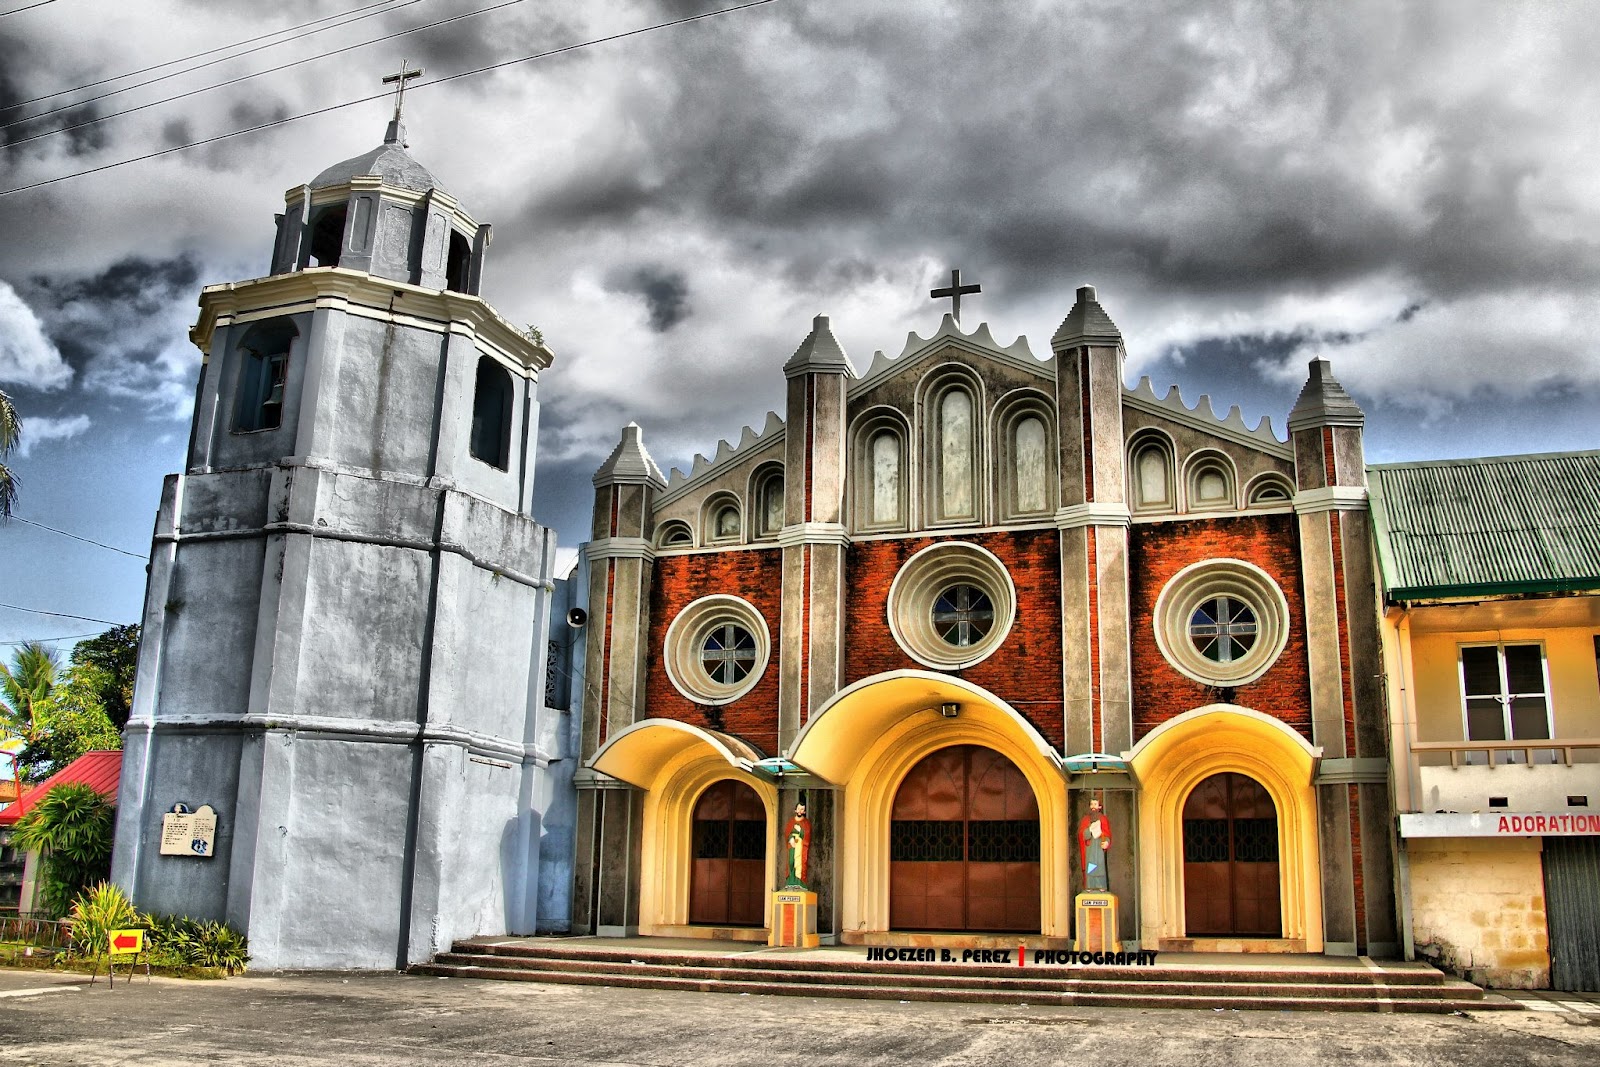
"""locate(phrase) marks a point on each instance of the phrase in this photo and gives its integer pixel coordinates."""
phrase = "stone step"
(1419, 976)
(1169, 982)
(1002, 993)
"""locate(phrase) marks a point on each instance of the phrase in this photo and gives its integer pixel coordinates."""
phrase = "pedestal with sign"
(1096, 922)
(794, 919)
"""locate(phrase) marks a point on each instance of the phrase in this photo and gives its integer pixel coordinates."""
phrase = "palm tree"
(25, 687)
(72, 826)
(10, 431)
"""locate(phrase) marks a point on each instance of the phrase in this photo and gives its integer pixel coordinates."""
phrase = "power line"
(185, 59)
(201, 66)
(76, 537)
(383, 96)
(62, 615)
(231, 81)
(46, 640)
(30, 7)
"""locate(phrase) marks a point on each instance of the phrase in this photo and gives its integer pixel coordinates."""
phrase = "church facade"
(951, 600)
(346, 626)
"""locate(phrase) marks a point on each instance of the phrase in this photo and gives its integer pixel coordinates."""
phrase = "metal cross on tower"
(397, 132)
(954, 293)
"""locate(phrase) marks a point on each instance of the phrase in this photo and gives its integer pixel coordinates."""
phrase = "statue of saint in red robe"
(797, 849)
(1094, 841)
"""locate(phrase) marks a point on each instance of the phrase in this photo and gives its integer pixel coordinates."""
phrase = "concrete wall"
(1477, 909)
(345, 656)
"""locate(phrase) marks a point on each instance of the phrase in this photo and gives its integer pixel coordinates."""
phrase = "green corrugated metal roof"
(1487, 527)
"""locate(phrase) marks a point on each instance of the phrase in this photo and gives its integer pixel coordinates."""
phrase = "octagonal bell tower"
(346, 623)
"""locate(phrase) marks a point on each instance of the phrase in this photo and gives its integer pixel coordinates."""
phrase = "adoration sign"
(1501, 824)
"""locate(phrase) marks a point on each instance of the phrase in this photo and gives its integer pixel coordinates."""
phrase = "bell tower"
(347, 620)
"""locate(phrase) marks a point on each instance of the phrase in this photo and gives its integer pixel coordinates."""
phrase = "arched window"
(263, 373)
(886, 476)
(1210, 484)
(1150, 474)
(955, 456)
(1030, 465)
(722, 518)
(675, 534)
(1270, 490)
(456, 266)
(879, 496)
(1025, 459)
(327, 236)
(491, 414)
(767, 501)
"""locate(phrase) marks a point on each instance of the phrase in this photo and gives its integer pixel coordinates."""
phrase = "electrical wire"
(62, 615)
(197, 55)
(46, 640)
(30, 7)
(96, 120)
(381, 96)
(76, 537)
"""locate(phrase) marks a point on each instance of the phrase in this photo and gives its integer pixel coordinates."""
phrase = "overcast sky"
(1411, 190)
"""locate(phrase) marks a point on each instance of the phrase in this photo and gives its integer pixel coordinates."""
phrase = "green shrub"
(96, 913)
(199, 943)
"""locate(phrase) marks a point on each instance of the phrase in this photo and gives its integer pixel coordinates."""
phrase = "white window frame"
(1505, 697)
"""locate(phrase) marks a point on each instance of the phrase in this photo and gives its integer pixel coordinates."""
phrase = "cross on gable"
(954, 292)
(396, 132)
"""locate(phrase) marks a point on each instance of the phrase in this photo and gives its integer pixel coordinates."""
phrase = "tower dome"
(385, 214)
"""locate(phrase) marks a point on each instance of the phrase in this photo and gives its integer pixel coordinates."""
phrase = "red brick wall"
(1025, 671)
(755, 575)
(1157, 551)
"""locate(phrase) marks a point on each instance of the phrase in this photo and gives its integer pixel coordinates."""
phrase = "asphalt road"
(360, 1020)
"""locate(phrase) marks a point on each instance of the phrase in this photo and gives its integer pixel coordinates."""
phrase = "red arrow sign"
(125, 941)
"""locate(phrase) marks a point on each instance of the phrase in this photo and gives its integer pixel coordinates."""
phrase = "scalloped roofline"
(750, 441)
(980, 342)
(1203, 417)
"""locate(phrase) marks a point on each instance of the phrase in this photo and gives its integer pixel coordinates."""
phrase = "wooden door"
(727, 886)
(964, 845)
(1230, 860)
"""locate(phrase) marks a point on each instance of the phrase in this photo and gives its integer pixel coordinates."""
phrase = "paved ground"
(364, 1020)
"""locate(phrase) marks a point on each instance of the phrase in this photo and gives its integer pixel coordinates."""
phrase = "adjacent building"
(1491, 630)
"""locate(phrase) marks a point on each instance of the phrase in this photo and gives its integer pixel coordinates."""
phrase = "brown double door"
(964, 845)
(727, 886)
(1230, 859)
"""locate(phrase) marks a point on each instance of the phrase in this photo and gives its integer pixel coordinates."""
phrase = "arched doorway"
(964, 845)
(729, 846)
(1230, 859)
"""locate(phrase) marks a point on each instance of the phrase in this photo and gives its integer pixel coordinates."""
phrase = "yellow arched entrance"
(868, 738)
(674, 763)
(1180, 753)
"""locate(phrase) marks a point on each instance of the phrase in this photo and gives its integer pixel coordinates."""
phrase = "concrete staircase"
(1275, 984)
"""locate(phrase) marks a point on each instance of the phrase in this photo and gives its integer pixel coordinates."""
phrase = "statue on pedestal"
(1094, 841)
(797, 848)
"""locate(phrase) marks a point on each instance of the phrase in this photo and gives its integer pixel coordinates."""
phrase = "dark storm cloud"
(121, 329)
(1073, 137)
(136, 285)
(665, 293)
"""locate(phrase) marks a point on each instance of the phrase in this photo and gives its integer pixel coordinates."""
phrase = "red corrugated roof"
(100, 770)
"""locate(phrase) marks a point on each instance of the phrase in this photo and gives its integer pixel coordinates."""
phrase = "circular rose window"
(951, 605)
(716, 649)
(1222, 622)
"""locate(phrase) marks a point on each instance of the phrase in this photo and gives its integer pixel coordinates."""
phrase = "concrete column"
(1346, 664)
(811, 647)
(1093, 520)
(621, 559)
